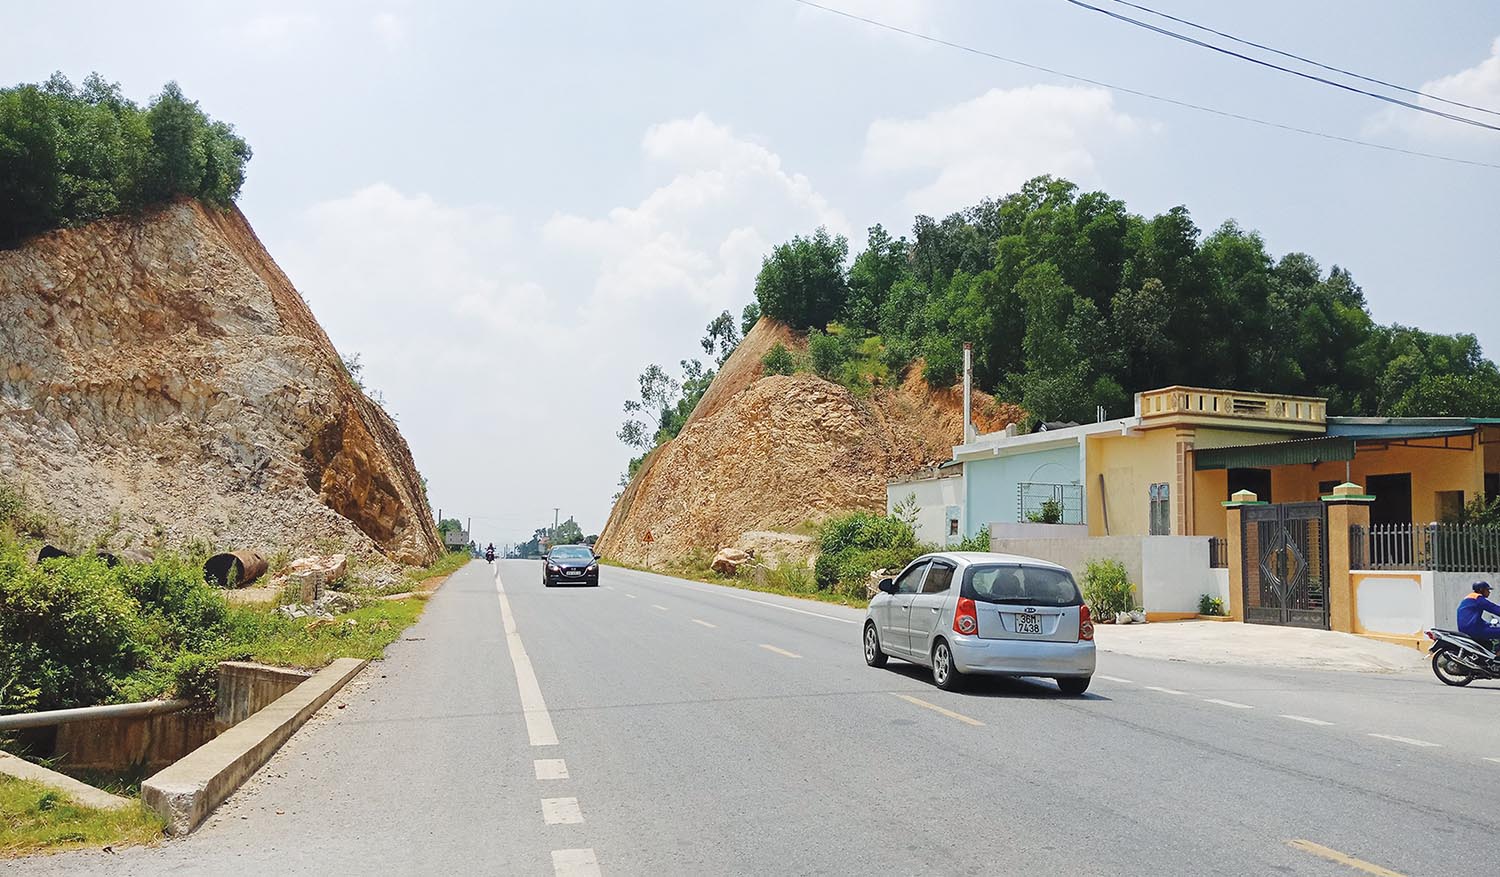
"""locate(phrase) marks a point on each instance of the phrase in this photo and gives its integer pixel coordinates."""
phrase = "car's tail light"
(1085, 623)
(966, 618)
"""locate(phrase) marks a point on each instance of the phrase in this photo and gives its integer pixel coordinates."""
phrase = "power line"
(1147, 95)
(1311, 77)
(1294, 56)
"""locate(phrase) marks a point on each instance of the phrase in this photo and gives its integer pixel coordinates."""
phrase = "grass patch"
(34, 818)
(785, 581)
(261, 635)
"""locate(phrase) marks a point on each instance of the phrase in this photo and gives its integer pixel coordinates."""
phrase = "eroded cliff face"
(160, 379)
(770, 453)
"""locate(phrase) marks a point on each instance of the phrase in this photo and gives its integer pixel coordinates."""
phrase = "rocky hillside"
(161, 381)
(770, 453)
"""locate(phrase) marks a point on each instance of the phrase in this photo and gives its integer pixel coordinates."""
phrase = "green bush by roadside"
(854, 545)
(1106, 588)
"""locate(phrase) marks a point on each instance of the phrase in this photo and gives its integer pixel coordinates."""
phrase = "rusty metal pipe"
(234, 569)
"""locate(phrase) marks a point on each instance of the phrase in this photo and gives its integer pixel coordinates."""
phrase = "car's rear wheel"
(1074, 685)
(944, 673)
(874, 655)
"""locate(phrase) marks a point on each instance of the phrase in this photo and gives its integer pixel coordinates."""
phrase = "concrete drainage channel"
(259, 710)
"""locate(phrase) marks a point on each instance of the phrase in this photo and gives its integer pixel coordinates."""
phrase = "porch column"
(1182, 487)
(1235, 542)
(1348, 507)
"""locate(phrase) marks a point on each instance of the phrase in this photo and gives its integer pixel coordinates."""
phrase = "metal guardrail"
(88, 713)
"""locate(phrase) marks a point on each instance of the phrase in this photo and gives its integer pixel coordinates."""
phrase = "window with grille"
(1161, 509)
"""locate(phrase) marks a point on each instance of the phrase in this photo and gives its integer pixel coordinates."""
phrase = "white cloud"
(279, 30)
(1477, 86)
(993, 143)
(914, 15)
(507, 350)
(389, 27)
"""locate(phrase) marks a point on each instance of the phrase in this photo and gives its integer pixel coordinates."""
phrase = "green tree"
(778, 360)
(802, 282)
(749, 317)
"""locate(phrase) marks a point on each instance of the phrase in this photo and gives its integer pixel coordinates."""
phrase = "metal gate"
(1286, 564)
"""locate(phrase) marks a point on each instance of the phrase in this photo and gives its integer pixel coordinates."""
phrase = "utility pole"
(554, 522)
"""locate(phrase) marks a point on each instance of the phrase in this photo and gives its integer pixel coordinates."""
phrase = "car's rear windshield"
(571, 552)
(1020, 584)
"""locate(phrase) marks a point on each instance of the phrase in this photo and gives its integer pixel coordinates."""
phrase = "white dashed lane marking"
(783, 652)
(1410, 741)
(1113, 679)
(561, 811)
(575, 863)
(1306, 721)
(551, 769)
(1495, 760)
(704, 623)
(1229, 703)
(658, 606)
(1164, 690)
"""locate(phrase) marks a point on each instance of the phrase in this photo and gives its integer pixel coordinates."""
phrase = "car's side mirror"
(888, 586)
(596, 557)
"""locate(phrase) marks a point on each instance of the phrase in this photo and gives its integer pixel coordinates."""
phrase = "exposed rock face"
(160, 376)
(774, 452)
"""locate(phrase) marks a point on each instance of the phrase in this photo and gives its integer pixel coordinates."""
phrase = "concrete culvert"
(234, 569)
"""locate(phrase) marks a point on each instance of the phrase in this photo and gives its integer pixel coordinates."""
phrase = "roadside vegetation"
(77, 632)
(70, 155)
(34, 818)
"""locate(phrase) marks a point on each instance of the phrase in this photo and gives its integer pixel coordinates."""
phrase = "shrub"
(828, 355)
(68, 631)
(1050, 513)
(978, 542)
(1106, 588)
(1210, 605)
(791, 577)
(854, 545)
(777, 361)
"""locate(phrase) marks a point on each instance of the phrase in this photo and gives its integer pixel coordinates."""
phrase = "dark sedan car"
(570, 564)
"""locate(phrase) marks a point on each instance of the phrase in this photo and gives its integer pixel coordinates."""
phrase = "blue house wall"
(992, 483)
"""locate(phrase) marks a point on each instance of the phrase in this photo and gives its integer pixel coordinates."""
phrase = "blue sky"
(509, 209)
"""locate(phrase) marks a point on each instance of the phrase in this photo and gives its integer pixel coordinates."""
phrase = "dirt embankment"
(775, 452)
(161, 379)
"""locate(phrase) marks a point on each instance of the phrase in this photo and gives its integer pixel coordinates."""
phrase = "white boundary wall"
(1170, 572)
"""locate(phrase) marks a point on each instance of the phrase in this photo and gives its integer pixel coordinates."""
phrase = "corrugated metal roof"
(1396, 428)
(1322, 449)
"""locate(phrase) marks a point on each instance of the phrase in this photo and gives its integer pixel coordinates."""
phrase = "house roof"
(1395, 428)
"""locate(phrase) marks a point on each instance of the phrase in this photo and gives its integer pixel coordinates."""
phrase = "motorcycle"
(489, 556)
(1458, 660)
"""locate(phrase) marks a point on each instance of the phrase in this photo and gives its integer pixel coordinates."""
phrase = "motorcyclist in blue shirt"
(1471, 612)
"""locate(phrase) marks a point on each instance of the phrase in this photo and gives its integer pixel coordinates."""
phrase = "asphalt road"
(659, 727)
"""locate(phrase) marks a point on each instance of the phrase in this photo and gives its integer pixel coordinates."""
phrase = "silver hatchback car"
(970, 613)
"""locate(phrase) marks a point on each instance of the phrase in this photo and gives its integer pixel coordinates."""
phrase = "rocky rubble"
(161, 381)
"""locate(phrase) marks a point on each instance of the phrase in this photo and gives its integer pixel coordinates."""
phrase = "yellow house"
(1169, 469)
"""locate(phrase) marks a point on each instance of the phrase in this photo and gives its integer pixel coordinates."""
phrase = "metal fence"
(1437, 547)
(1218, 552)
(1041, 502)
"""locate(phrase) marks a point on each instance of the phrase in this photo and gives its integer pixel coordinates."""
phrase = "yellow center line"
(1344, 859)
(939, 710)
(783, 652)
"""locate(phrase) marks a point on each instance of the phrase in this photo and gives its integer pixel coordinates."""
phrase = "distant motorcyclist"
(489, 553)
(1471, 611)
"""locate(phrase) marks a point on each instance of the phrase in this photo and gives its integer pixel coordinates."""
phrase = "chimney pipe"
(968, 392)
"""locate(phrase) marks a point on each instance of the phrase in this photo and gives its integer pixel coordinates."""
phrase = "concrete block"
(82, 793)
(185, 793)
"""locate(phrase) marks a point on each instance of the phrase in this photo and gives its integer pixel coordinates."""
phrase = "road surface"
(658, 727)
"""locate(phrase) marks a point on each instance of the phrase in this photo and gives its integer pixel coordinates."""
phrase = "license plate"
(575, 572)
(1028, 624)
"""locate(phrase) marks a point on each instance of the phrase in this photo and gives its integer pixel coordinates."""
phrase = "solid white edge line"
(1229, 703)
(575, 863)
(1306, 720)
(720, 592)
(533, 707)
(550, 769)
(561, 811)
(1410, 741)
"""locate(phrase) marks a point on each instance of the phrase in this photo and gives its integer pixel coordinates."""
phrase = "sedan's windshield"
(571, 552)
(1024, 585)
